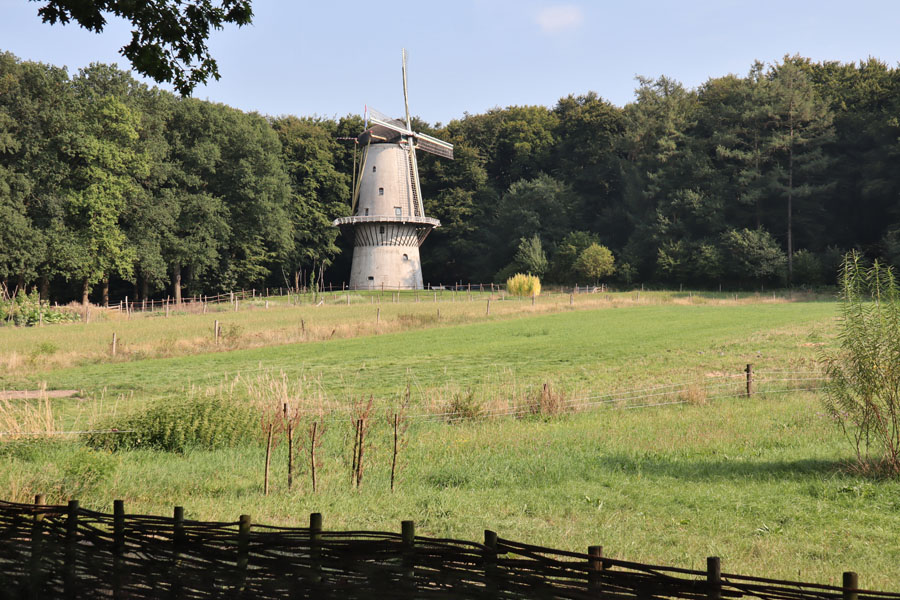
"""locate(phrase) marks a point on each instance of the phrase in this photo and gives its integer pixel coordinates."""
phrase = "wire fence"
(716, 388)
(71, 552)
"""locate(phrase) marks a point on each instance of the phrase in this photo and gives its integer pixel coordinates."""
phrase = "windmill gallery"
(389, 223)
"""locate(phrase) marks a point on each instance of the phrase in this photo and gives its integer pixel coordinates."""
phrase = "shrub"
(862, 391)
(28, 309)
(464, 405)
(523, 285)
(207, 423)
(595, 261)
(807, 268)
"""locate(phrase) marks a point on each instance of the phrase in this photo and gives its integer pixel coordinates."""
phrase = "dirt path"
(31, 394)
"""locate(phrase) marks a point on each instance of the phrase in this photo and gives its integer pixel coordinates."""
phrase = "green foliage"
(28, 310)
(863, 386)
(168, 41)
(807, 268)
(207, 423)
(752, 254)
(530, 256)
(595, 262)
(103, 179)
(523, 285)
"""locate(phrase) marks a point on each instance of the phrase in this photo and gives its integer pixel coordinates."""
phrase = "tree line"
(762, 179)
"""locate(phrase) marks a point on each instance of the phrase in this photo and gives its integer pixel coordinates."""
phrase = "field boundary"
(68, 551)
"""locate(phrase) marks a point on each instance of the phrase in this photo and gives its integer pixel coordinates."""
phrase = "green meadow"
(669, 477)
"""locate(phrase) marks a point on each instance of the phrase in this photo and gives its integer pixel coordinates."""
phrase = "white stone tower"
(389, 223)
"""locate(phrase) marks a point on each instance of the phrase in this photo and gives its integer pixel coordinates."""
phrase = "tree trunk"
(106, 292)
(790, 209)
(297, 281)
(44, 287)
(145, 287)
(176, 283)
(85, 291)
(137, 287)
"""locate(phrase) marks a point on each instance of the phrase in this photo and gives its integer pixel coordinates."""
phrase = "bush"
(863, 385)
(28, 310)
(206, 423)
(807, 268)
(595, 261)
(523, 285)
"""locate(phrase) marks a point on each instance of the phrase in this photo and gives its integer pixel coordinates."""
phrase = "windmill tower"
(389, 223)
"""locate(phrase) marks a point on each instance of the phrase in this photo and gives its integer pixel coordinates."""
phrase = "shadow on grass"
(725, 468)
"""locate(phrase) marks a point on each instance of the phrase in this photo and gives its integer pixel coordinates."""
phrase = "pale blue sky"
(331, 58)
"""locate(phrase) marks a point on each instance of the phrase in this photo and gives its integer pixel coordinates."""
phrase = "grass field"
(760, 482)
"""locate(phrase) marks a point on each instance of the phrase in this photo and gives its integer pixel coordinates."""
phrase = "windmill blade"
(405, 96)
(418, 209)
(434, 145)
(393, 125)
(379, 116)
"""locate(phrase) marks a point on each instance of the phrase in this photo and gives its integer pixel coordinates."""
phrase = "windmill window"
(381, 230)
(371, 278)
(397, 211)
(405, 257)
(367, 212)
(373, 168)
(381, 191)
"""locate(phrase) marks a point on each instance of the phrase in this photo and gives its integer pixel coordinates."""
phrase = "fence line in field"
(70, 552)
(626, 399)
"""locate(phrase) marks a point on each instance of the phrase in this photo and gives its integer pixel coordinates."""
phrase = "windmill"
(389, 223)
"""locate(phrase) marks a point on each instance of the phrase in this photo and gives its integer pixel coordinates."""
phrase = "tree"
(567, 252)
(530, 256)
(801, 125)
(595, 262)
(319, 193)
(168, 42)
(752, 254)
(107, 164)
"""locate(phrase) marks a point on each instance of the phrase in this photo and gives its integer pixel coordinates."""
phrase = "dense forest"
(763, 179)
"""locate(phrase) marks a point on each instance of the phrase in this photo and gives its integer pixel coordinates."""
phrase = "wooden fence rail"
(71, 552)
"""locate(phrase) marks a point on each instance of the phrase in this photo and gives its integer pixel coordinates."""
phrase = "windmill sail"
(434, 145)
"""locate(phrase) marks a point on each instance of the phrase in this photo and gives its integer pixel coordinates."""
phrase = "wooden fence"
(70, 552)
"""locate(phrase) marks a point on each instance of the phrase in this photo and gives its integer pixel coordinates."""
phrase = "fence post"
(851, 586)
(118, 545)
(114, 340)
(243, 557)
(490, 561)
(488, 307)
(216, 331)
(378, 315)
(532, 298)
(749, 372)
(571, 299)
(315, 538)
(37, 534)
(714, 578)
(177, 543)
(596, 565)
(71, 547)
(408, 536)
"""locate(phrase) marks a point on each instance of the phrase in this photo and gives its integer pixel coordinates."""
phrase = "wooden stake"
(312, 457)
(394, 456)
(749, 372)
(851, 586)
(268, 459)
(714, 578)
(216, 332)
(114, 344)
